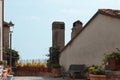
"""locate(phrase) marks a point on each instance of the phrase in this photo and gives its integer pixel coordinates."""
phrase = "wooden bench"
(74, 70)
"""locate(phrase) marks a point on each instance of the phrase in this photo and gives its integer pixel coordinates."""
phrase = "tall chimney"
(77, 27)
(58, 34)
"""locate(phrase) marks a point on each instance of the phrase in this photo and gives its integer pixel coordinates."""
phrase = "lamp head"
(10, 23)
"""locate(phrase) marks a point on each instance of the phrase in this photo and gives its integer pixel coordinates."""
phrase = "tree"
(53, 56)
(15, 56)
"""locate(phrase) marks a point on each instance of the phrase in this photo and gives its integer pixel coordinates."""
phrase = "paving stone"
(40, 78)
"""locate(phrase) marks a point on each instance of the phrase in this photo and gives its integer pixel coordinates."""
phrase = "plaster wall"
(100, 36)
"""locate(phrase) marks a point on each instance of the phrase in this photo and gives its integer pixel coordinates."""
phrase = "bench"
(74, 70)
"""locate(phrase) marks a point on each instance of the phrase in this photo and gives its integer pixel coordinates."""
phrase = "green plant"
(55, 65)
(13, 53)
(95, 69)
(115, 55)
(53, 56)
(30, 64)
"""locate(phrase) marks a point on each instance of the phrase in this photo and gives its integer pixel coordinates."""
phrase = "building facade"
(6, 38)
(98, 36)
(1, 28)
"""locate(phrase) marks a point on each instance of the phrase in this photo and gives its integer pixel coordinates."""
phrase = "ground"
(39, 78)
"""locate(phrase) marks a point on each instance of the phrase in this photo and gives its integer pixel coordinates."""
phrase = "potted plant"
(113, 60)
(56, 69)
(53, 61)
(96, 72)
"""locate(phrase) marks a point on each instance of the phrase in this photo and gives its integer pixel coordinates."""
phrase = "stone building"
(100, 35)
(6, 32)
(6, 36)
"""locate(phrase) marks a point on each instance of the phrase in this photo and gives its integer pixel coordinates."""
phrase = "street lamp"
(10, 45)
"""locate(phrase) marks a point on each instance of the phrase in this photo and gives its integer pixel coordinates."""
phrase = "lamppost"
(10, 45)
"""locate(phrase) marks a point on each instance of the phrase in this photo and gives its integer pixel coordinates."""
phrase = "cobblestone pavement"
(41, 78)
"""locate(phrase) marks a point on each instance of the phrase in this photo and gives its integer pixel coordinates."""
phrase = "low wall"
(30, 71)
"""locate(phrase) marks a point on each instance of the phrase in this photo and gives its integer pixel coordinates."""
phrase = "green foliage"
(115, 55)
(56, 66)
(15, 56)
(95, 69)
(53, 56)
(30, 64)
(14, 53)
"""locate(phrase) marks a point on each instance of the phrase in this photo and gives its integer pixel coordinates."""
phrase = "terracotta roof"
(110, 12)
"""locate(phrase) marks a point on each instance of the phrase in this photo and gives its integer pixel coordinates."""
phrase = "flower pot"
(113, 64)
(97, 77)
(56, 72)
(45, 69)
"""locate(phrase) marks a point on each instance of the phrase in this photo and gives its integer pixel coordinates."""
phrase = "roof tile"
(115, 13)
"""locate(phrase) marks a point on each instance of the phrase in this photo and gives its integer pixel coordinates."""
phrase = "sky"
(32, 32)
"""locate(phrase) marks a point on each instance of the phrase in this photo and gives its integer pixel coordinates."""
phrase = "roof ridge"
(112, 12)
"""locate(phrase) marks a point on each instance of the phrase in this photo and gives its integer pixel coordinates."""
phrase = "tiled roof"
(110, 12)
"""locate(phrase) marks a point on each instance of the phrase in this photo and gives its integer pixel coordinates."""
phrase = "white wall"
(100, 36)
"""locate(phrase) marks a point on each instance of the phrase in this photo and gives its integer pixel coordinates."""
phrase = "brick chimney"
(58, 34)
(77, 27)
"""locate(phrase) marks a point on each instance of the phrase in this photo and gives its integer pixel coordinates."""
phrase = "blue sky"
(32, 33)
